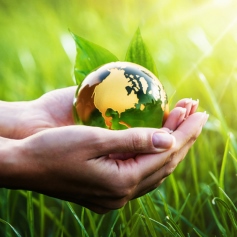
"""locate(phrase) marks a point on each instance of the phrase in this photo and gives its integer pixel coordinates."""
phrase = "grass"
(194, 44)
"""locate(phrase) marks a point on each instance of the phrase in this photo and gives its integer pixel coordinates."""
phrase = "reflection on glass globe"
(120, 95)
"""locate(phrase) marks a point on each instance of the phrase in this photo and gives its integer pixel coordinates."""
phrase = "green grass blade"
(42, 216)
(77, 219)
(99, 223)
(145, 227)
(223, 166)
(229, 200)
(48, 213)
(183, 219)
(13, 229)
(175, 190)
(228, 209)
(171, 232)
(151, 207)
(196, 187)
(133, 229)
(60, 231)
(216, 181)
(147, 220)
(30, 212)
(182, 209)
(234, 158)
(196, 231)
(169, 219)
(129, 226)
(167, 211)
(219, 225)
(92, 222)
(113, 225)
(82, 219)
(124, 228)
(174, 226)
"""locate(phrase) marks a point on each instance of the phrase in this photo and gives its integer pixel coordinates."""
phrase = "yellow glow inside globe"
(120, 95)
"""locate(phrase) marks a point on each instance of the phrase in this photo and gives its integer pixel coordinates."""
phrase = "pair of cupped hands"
(96, 168)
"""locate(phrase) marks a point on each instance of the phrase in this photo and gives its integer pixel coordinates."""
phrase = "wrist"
(10, 113)
(17, 168)
(13, 116)
(10, 152)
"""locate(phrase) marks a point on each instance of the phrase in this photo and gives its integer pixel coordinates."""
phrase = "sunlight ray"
(207, 53)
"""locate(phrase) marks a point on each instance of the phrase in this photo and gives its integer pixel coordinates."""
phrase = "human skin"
(42, 150)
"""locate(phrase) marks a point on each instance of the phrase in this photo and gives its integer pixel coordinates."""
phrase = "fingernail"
(205, 118)
(182, 116)
(162, 141)
(188, 100)
(195, 104)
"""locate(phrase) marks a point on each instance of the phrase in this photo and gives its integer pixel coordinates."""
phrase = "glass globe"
(120, 95)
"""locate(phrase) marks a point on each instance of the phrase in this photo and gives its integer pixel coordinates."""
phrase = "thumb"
(135, 140)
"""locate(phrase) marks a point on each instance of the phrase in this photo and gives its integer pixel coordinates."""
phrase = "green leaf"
(138, 53)
(89, 57)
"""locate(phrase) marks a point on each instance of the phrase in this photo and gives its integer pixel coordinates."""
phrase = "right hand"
(98, 168)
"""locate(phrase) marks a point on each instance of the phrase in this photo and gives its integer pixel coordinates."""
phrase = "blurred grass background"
(194, 44)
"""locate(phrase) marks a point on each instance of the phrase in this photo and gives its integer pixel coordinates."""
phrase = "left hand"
(53, 109)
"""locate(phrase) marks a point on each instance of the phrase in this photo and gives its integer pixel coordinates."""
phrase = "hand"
(99, 168)
(53, 109)
(22, 119)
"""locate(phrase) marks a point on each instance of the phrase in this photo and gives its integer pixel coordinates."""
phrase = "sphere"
(120, 95)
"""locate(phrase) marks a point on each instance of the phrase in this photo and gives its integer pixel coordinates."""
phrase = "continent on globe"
(120, 95)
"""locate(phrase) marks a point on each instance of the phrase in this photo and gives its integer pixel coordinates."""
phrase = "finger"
(155, 180)
(190, 128)
(194, 107)
(189, 104)
(156, 167)
(175, 118)
(182, 110)
(91, 142)
(134, 140)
